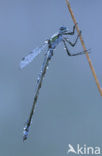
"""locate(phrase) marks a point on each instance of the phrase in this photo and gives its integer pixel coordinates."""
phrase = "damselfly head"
(62, 29)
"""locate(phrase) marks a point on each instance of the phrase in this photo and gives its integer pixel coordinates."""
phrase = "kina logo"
(83, 150)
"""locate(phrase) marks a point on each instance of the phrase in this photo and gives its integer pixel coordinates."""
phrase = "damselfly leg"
(66, 48)
(72, 44)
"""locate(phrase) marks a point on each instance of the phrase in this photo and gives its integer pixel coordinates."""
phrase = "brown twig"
(83, 45)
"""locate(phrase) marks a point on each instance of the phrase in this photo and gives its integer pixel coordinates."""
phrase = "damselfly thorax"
(55, 40)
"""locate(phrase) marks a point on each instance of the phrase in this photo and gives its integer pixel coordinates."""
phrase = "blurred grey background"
(69, 107)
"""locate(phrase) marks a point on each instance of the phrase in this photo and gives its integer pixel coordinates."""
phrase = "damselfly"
(50, 44)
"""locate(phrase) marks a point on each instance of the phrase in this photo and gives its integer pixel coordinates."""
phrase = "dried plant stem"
(83, 45)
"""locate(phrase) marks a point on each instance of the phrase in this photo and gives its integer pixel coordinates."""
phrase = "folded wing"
(29, 58)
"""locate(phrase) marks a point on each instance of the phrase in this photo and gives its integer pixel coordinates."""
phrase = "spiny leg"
(80, 53)
(73, 44)
(66, 48)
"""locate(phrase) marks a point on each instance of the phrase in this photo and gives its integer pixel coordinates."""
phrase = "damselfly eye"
(62, 28)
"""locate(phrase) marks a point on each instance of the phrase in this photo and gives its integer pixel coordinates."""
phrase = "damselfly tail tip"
(24, 138)
(25, 135)
(25, 132)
